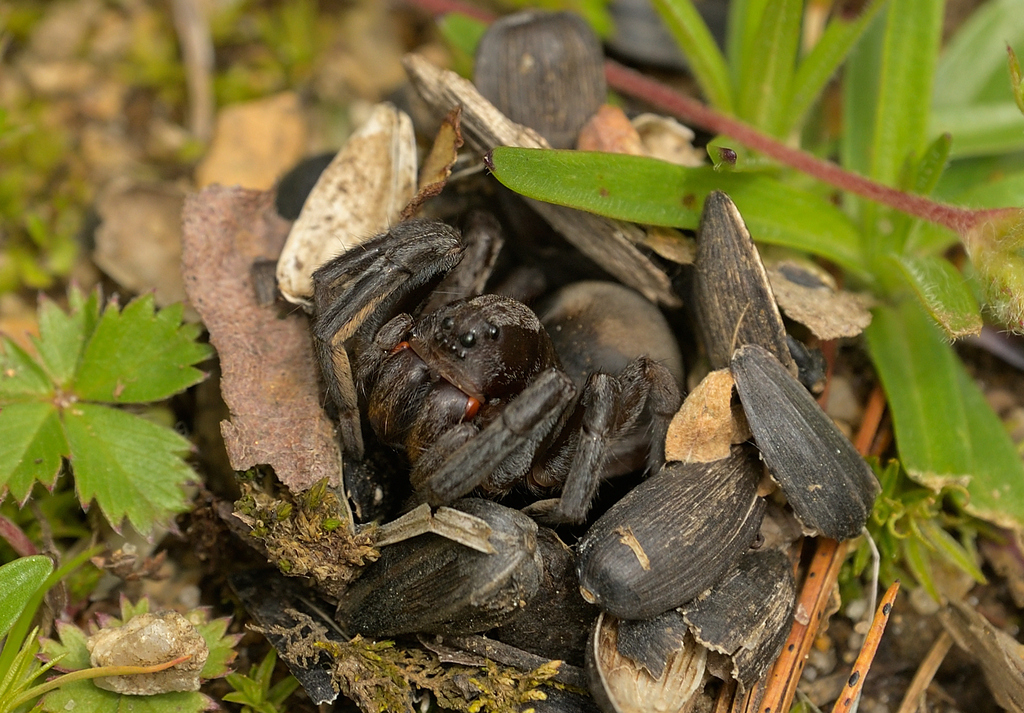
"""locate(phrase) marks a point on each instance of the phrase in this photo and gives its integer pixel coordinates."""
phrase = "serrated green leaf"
(19, 580)
(770, 64)
(131, 467)
(817, 68)
(32, 445)
(62, 336)
(945, 430)
(654, 192)
(220, 643)
(976, 54)
(694, 38)
(21, 377)
(944, 293)
(138, 355)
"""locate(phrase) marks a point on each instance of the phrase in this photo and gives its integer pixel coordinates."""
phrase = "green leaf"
(130, 466)
(20, 374)
(220, 644)
(136, 355)
(654, 192)
(19, 580)
(975, 56)
(62, 336)
(980, 129)
(945, 430)
(1016, 78)
(950, 549)
(694, 39)
(817, 68)
(769, 66)
(461, 34)
(32, 446)
(944, 293)
(909, 52)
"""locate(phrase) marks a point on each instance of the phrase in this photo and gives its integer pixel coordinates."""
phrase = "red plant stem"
(16, 538)
(629, 81)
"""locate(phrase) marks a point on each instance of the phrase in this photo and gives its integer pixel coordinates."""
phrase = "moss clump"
(304, 534)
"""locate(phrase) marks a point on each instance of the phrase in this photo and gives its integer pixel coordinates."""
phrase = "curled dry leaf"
(811, 298)
(665, 138)
(269, 377)
(359, 195)
(707, 424)
(149, 640)
(437, 166)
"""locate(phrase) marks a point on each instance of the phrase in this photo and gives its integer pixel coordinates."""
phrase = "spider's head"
(490, 347)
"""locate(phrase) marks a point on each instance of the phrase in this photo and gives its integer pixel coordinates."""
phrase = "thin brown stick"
(810, 610)
(197, 55)
(926, 672)
(871, 420)
(855, 684)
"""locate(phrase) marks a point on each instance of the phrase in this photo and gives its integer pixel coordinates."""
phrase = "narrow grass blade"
(974, 62)
(769, 65)
(706, 61)
(19, 580)
(946, 431)
(818, 66)
(981, 129)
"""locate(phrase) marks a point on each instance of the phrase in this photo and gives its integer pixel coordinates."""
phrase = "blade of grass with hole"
(653, 192)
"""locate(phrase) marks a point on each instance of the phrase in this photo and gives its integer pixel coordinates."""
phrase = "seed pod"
(649, 642)
(747, 616)
(672, 537)
(543, 70)
(828, 484)
(557, 622)
(732, 299)
(620, 684)
(430, 584)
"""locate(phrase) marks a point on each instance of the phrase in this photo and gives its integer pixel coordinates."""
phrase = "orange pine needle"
(852, 689)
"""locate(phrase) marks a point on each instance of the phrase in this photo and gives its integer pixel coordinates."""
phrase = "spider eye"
(493, 331)
(468, 339)
(447, 323)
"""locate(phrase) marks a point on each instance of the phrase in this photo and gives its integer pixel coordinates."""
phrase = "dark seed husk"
(732, 298)
(672, 537)
(556, 623)
(542, 70)
(621, 685)
(747, 616)
(649, 642)
(430, 584)
(828, 484)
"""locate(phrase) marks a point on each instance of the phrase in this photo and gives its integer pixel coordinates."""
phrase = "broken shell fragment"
(650, 642)
(621, 684)
(149, 640)
(542, 70)
(747, 616)
(658, 548)
(733, 299)
(430, 584)
(828, 484)
(359, 195)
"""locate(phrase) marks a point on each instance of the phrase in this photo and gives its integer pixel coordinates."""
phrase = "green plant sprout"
(254, 691)
(887, 235)
(72, 653)
(61, 408)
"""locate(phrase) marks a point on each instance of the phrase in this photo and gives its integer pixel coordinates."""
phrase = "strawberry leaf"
(21, 377)
(32, 446)
(138, 355)
(62, 335)
(130, 466)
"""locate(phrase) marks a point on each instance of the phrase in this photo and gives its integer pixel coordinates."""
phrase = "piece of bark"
(815, 303)
(999, 655)
(269, 377)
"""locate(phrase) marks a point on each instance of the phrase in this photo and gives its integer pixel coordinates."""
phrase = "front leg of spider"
(361, 289)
